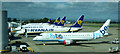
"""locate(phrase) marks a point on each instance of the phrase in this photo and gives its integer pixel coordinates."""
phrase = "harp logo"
(62, 21)
(57, 21)
(48, 20)
(79, 22)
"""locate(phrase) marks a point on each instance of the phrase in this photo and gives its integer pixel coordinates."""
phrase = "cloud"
(32, 0)
(72, 10)
(60, 0)
(16, 0)
(37, 4)
(52, 5)
(59, 6)
(91, 0)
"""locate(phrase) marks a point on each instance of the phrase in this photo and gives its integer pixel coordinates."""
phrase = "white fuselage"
(32, 25)
(37, 25)
(67, 36)
(46, 30)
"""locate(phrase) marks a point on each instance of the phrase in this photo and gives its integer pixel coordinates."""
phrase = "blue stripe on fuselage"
(61, 40)
(99, 36)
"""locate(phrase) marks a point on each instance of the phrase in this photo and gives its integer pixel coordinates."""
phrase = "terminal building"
(3, 30)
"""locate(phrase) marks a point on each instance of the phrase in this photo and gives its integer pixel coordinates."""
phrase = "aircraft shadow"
(18, 44)
(103, 42)
(110, 34)
(50, 44)
(81, 44)
(14, 38)
(78, 44)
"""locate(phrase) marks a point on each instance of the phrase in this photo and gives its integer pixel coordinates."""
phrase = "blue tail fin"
(57, 21)
(79, 22)
(61, 23)
(49, 21)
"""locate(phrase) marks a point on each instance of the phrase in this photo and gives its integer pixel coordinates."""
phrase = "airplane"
(57, 24)
(70, 38)
(49, 21)
(38, 25)
(61, 23)
(57, 21)
(47, 29)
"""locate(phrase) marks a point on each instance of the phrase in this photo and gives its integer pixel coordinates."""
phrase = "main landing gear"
(43, 43)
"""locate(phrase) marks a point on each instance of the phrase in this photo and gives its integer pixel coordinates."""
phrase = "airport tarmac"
(97, 45)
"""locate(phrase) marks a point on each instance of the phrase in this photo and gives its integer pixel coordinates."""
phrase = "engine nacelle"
(106, 34)
(68, 42)
(61, 41)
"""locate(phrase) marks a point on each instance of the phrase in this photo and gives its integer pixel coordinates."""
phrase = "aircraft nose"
(74, 29)
(19, 32)
(35, 38)
(17, 29)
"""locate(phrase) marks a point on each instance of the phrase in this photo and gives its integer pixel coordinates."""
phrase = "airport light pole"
(26, 33)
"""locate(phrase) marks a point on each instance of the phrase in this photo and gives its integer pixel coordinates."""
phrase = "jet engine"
(68, 42)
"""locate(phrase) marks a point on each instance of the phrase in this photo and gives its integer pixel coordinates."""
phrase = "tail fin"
(57, 21)
(104, 28)
(12, 30)
(9, 29)
(79, 22)
(61, 23)
(49, 21)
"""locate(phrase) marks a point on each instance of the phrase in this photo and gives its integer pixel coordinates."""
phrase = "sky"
(93, 11)
(60, 0)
